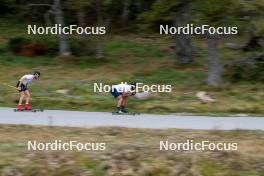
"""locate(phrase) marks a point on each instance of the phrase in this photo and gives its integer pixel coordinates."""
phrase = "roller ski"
(27, 109)
(124, 112)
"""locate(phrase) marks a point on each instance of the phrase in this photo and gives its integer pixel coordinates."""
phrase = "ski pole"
(8, 85)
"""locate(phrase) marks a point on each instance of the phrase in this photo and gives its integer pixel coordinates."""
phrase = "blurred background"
(219, 75)
(228, 68)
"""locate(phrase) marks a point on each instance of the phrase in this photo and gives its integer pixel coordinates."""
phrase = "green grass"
(130, 57)
(133, 152)
(120, 45)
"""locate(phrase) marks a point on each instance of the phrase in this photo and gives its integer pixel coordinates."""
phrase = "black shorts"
(23, 87)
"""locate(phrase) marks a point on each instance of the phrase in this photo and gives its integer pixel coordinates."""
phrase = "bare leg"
(119, 100)
(27, 96)
(22, 96)
(123, 103)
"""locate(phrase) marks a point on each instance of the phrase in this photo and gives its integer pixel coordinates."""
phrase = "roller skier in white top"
(24, 92)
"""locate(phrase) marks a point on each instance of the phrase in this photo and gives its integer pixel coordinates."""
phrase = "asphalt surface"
(103, 119)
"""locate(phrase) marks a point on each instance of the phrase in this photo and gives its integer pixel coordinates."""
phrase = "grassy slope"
(128, 58)
(129, 152)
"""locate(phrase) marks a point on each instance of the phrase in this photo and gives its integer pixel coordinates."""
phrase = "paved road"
(101, 119)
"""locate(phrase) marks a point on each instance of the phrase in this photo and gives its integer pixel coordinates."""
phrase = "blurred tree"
(64, 49)
(251, 67)
(126, 11)
(216, 13)
(56, 10)
(184, 49)
(91, 13)
(214, 77)
(99, 48)
(82, 11)
(81, 20)
(176, 13)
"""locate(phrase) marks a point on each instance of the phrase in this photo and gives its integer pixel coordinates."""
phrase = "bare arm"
(126, 94)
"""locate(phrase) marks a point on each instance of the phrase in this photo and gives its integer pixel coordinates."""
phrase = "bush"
(49, 46)
(15, 44)
(82, 48)
(28, 47)
(249, 71)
